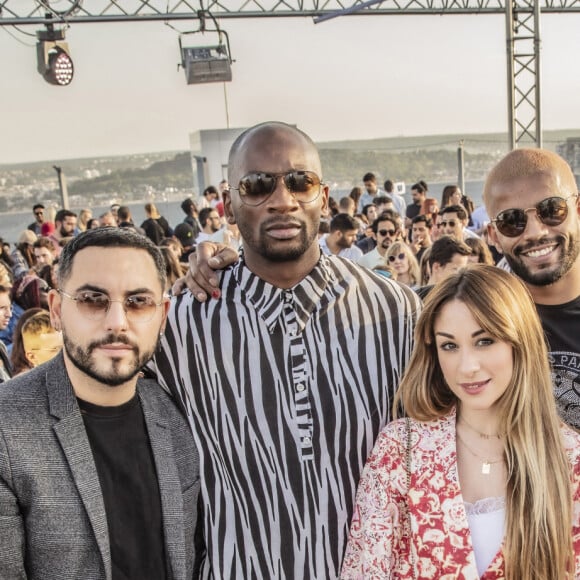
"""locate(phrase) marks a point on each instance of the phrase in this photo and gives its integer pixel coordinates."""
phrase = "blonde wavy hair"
(538, 538)
(414, 271)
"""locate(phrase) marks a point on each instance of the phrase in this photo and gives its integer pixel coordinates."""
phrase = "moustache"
(112, 339)
(525, 247)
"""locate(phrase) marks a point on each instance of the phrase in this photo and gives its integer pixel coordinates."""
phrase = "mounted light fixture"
(206, 64)
(54, 62)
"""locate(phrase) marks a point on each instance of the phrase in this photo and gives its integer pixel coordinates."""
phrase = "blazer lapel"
(71, 433)
(169, 486)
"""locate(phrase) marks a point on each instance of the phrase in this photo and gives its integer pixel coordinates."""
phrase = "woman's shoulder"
(395, 435)
(571, 440)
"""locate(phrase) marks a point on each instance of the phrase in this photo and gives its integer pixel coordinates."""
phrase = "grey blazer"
(53, 524)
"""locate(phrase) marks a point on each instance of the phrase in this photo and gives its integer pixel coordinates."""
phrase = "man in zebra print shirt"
(288, 378)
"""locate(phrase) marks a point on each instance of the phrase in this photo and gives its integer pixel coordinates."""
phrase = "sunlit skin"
(103, 357)
(67, 226)
(108, 220)
(545, 257)
(347, 239)
(401, 267)
(437, 231)
(372, 214)
(455, 198)
(383, 242)
(5, 310)
(421, 234)
(417, 196)
(451, 226)
(371, 187)
(280, 236)
(39, 215)
(476, 366)
(213, 223)
(44, 257)
(440, 272)
(40, 348)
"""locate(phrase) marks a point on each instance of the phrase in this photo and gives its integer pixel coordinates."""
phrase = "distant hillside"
(173, 173)
(474, 142)
(347, 167)
(141, 176)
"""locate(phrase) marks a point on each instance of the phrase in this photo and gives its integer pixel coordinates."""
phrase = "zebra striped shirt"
(286, 392)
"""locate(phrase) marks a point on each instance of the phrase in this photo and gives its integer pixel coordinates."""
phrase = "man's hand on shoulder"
(201, 278)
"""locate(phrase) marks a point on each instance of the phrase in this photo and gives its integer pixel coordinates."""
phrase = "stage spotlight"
(206, 64)
(53, 58)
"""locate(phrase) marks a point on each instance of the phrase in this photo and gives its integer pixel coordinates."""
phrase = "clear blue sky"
(349, 78)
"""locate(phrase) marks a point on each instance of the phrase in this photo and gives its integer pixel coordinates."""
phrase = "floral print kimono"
(424, 534)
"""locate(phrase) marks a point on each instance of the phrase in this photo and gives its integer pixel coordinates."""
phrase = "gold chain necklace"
(482, 435)
(485, 463)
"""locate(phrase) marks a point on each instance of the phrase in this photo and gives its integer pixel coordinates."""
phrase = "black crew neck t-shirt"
(124, 460)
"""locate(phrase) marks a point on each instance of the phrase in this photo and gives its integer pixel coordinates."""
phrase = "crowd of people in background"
(407, 242)
(29, 268)
(425, 353)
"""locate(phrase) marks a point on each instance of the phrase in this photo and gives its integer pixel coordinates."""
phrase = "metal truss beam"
(28, 12)
(523, 60)
(522, 30)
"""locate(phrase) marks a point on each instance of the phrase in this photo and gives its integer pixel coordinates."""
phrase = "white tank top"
(486, 518)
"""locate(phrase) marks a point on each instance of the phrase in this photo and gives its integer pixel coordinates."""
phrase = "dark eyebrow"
(93, 288)
(447, 335)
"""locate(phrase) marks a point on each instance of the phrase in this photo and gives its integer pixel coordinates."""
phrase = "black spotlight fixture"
(53, 57)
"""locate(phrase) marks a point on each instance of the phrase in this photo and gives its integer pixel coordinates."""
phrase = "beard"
(82, 358)
(570, 249)
(344, 244)
(269, 249)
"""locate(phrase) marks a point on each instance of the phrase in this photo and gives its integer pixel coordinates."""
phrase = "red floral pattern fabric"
(439, 545)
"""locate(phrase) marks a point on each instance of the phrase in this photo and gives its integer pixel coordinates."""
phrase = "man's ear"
(494, 238)
(54, 306)
(229, 214)
(165, 306)
(324, 206)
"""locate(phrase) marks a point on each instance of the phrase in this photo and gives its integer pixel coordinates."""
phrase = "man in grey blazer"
(99, 475)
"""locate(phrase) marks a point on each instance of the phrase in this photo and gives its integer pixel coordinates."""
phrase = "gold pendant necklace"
(485, 463)
(462, 421)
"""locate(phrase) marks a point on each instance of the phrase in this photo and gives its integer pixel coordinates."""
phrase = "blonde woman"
(482, 480)
(85, 215)
(400, 257)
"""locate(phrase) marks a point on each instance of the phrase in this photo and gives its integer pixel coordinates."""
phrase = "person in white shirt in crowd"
(479, 220)
(372, 190)
(399, 203)
(387, 229)
(454, 222)
(210, 222)
(340, 241)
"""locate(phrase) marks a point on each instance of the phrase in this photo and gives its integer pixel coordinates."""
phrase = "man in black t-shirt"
(532, 197)
(99, 474)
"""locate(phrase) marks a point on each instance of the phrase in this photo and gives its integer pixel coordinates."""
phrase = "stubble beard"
(570, 250)
(83, 361)
(267, 248)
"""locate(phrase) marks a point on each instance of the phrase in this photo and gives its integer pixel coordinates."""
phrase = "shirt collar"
(268, 300)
